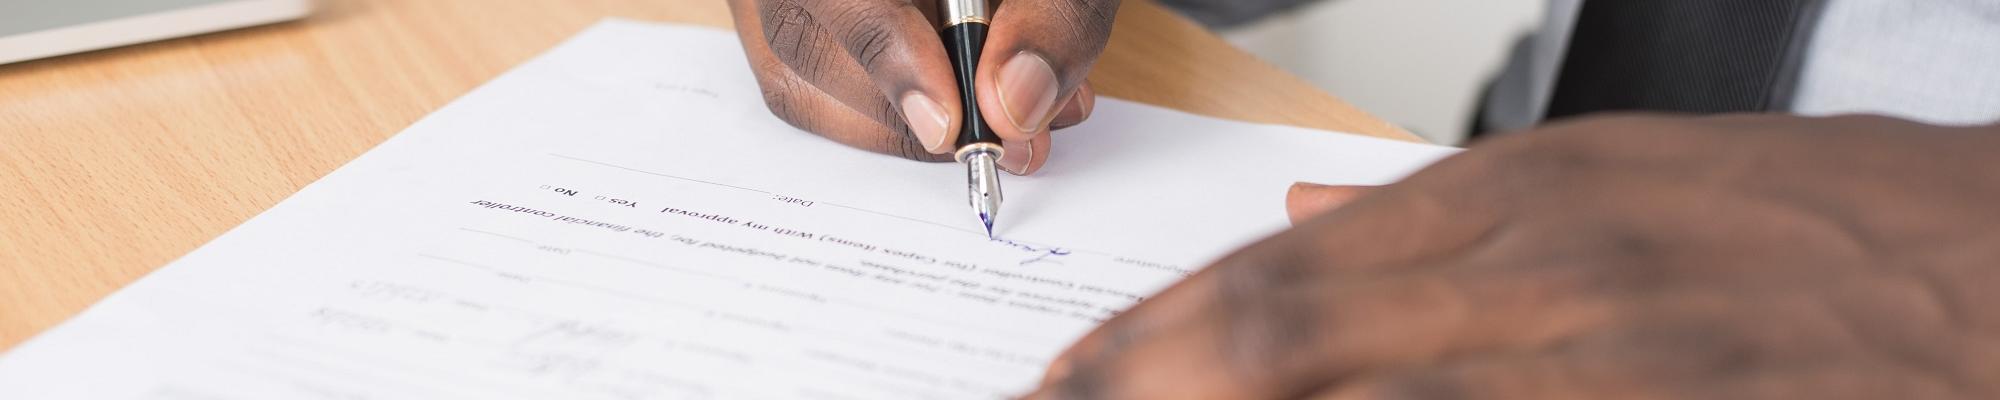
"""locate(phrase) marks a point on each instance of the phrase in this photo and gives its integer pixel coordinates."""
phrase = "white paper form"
(621, 218)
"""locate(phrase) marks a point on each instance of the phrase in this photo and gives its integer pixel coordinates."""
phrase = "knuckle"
(1254, 273)
(770, 72)
(781, 97)
(786, 24)
(797, 37)
(1100, 366)
(867, 43)
(1089, 20)
(1085, 383)
(1088, 16)
(867, 29)
(1270, 309)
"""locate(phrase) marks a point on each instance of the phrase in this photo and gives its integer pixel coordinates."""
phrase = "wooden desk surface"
(113, 163)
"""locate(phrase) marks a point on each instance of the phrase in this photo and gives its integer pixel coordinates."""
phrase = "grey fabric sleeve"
(1226, 13)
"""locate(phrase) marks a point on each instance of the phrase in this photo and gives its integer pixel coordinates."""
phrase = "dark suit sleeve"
(1226, 13)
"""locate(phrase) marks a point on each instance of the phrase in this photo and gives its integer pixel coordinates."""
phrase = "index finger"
(892, 41)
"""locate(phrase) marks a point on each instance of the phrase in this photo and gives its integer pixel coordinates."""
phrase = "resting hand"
(1630, 257)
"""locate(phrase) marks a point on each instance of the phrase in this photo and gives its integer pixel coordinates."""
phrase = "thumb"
(1307, 200)
(1036, 57)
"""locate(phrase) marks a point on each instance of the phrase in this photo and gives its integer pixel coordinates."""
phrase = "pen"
(979, 148)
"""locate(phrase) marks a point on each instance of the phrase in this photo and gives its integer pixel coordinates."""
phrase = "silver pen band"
(963, 11)
(963, 152)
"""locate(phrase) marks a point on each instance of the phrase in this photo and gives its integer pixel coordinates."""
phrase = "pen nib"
(983, 185)
(983, 218)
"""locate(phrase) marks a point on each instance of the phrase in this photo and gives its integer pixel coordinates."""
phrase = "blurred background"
(1418, 63)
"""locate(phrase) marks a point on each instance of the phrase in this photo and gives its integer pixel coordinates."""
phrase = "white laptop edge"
(148, 27)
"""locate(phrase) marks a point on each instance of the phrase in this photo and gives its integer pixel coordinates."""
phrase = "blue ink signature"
(1042, 254)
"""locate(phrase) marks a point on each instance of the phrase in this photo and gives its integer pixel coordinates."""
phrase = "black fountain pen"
(978, 147)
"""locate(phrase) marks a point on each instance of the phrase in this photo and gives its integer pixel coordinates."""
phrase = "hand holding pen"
(875, 74)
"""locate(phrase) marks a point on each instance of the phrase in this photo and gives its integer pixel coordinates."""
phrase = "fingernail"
(927, 119)
(1027, 91)
(1015, 159)
(1073, 112)
(1308, 200)
(1298, 186)
(1086, 99)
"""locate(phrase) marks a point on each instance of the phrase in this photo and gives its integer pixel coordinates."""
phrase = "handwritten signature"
(1043, 254)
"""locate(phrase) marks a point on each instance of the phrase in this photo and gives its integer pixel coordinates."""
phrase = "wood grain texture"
(113, 163)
